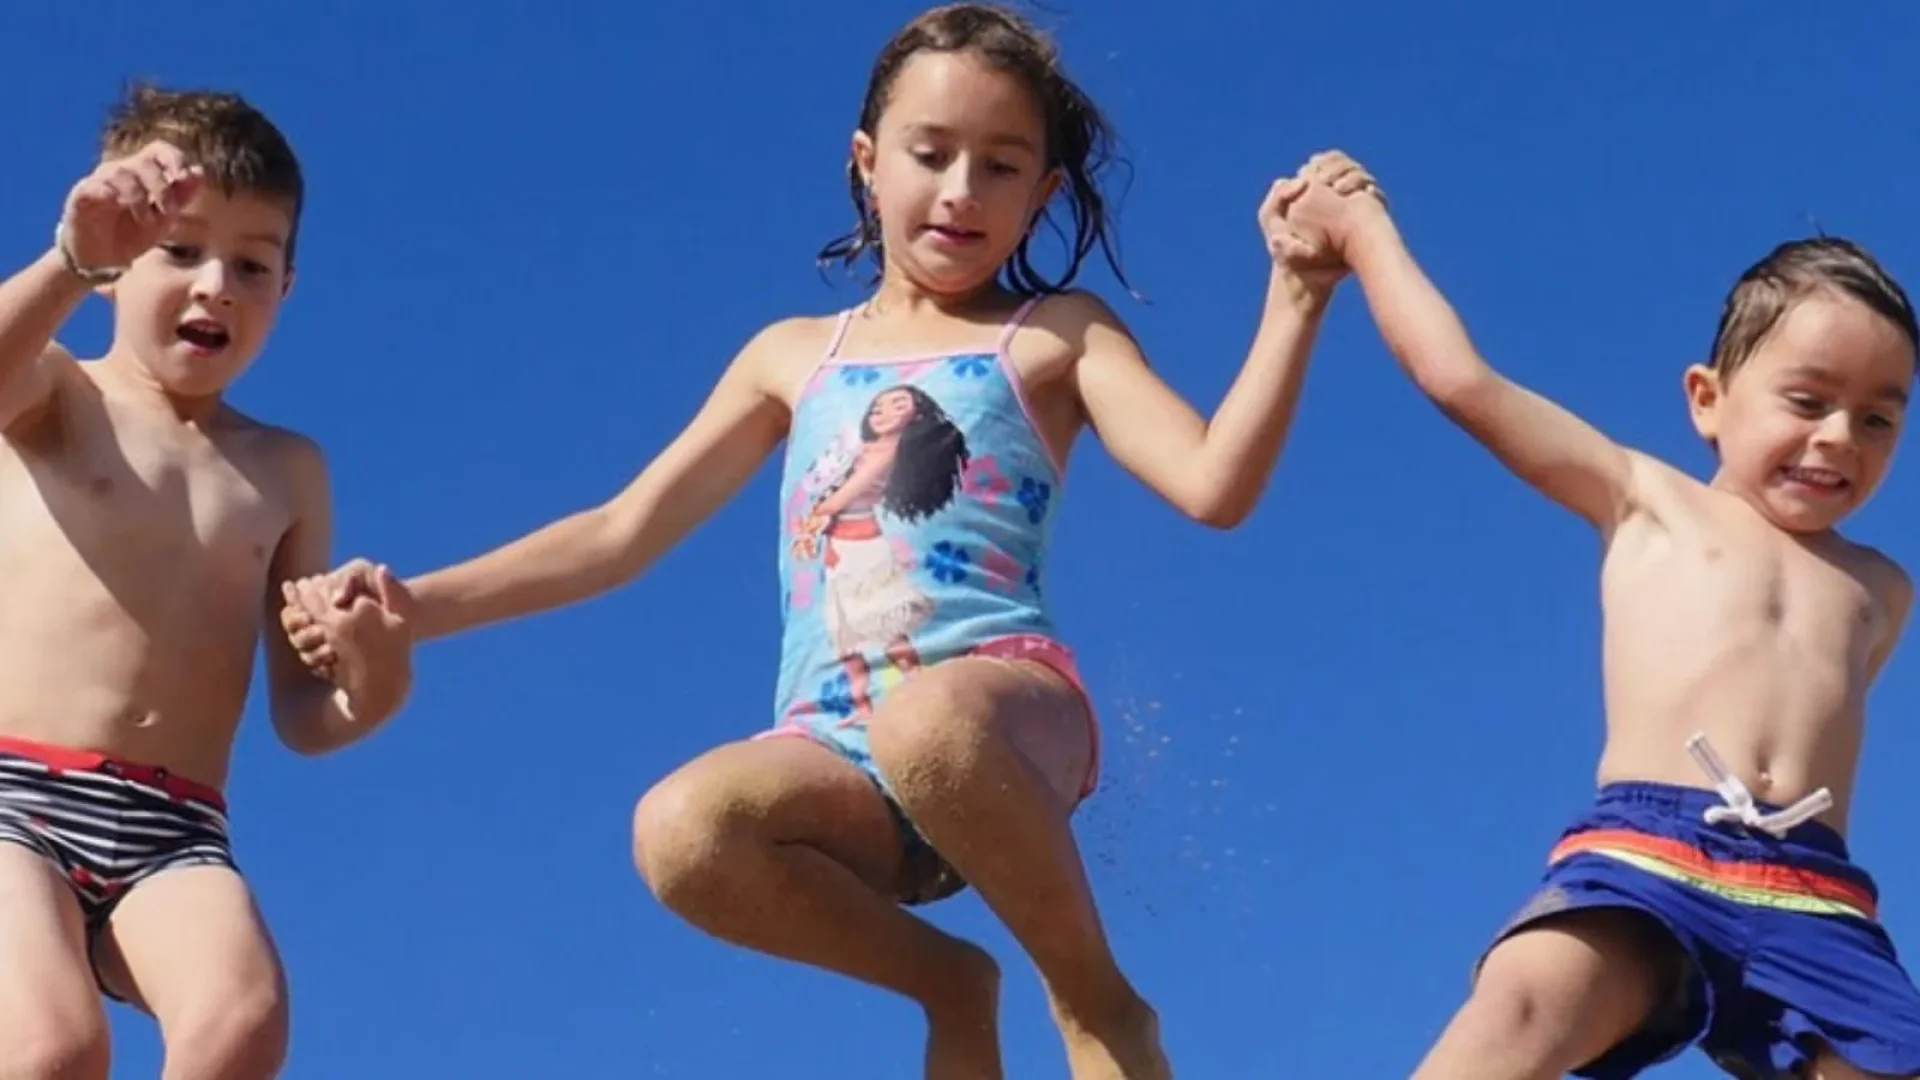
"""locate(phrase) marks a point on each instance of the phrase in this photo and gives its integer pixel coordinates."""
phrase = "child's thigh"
(786, 789)
(950, 712)
(1585, 979)
(49, 1003)
(189, 946)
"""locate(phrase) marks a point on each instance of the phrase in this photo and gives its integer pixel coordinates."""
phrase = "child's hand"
(310, 604)
(350, 627)
(1334, 198)
(1306, 254)
(124, 206)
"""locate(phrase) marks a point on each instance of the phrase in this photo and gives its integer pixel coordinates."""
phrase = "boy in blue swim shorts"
(1703, 899)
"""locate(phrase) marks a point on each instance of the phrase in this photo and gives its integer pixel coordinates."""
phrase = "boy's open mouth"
(204, 334)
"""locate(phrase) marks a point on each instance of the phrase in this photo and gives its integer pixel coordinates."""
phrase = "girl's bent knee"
(678, 842)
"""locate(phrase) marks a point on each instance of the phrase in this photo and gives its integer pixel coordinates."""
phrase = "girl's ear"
(861, 152)
(1044, 193)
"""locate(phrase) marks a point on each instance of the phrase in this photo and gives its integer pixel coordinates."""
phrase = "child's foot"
(1126, 1047)
(963, 1026)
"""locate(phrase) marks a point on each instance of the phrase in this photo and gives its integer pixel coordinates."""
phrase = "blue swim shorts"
(1783, 949)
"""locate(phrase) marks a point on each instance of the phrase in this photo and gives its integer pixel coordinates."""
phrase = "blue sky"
(1340, 738)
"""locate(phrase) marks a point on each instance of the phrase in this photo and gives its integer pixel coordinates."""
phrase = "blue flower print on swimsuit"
(971, 367)
(836, 696)
(948, 562)
(1035, 495)
(1033, 577)
(859, 376)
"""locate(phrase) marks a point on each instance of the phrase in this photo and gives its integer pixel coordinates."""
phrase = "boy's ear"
(1704, 392)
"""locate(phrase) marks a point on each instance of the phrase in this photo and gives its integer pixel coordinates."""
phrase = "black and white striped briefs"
(106, 824)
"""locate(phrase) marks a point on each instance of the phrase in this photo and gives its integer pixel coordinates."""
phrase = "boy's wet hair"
(1079, 141)
(1789, 272)
(240, 149)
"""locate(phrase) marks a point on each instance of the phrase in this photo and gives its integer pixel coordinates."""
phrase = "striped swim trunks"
(1784, 951)
(105, 824)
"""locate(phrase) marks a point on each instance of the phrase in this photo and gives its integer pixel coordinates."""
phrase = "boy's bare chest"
(1727, 583)
(130, 494)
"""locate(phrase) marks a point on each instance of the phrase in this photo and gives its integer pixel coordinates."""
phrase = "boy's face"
(196, 308)
(1806, 427)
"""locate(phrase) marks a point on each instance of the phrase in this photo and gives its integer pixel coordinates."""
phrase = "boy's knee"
(1510, 1009)
(56, 1048)
(1518, 1015)
(242, 1033)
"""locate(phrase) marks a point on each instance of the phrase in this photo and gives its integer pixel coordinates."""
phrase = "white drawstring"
(1739, 805)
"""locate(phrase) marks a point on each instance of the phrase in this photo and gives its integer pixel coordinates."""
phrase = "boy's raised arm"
(111, 216)
(1548, 446)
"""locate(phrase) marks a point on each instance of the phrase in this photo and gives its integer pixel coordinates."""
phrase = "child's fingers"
(387, 587)
(1284, 191)
(315, 596)
(354, 579)
(294, 619)
(310, 639)
(153, 180)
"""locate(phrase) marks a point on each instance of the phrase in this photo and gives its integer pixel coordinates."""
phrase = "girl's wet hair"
(928, 462)
(1080, 142)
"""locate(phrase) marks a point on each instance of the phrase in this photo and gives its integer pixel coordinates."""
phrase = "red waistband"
(59, 759)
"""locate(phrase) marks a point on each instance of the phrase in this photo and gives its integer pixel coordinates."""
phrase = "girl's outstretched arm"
(591, 552)
(1214, 471)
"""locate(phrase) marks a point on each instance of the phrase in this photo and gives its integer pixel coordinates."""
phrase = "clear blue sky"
(1340, 739)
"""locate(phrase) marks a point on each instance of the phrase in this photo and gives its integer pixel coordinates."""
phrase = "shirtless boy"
(145, 528)
(1707, 897)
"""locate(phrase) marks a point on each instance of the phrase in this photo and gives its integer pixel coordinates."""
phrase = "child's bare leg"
(189, 947)
(988, 757)
(51, 1024)
(1555, 997)
(782, 846)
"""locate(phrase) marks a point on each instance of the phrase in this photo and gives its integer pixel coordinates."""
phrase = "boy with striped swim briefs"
(1708, 896)
(145, 527)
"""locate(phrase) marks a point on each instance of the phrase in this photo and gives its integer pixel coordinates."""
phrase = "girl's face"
(890, 412)
(957, 170)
